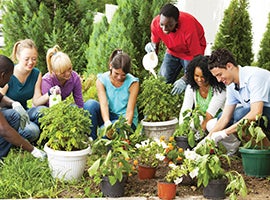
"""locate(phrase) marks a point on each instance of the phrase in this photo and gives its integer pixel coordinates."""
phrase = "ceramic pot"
(146, 172)
(166, 191)
(215, 189)
(256, 162)
(157, 129)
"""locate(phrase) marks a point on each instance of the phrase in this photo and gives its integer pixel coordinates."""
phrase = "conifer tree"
(235, 32)
(264, 53)
(47, 23)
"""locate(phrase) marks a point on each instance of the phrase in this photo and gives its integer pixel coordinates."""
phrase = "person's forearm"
(5, 101)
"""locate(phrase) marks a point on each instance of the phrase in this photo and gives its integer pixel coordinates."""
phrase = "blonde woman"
(25, 84)
(61, 76)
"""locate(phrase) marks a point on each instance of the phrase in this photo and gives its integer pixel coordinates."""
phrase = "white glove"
(179, 86)
(55, 90)
(24, 116)
(217, 136)
(149, 47)
(107, 123)
(37, 153)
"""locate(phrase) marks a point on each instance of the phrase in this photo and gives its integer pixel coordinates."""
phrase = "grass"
(23, 176)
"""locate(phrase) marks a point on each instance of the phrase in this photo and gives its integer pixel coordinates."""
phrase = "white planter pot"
(158, 129)
(67, 165)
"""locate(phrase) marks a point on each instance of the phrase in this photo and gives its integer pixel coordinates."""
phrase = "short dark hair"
(220, 57)
(169, 10)
(6, 64)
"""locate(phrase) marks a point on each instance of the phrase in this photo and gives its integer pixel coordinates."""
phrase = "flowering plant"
(172, 152)
(150, 152)
(175, 174)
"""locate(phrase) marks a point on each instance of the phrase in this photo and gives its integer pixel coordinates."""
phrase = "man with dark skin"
(184, 39)
(8, 134)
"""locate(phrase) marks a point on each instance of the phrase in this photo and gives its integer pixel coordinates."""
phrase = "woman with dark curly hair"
(204, 90)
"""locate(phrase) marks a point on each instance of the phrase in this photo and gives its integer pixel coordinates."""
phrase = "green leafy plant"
(156, 101)
(65, 127)
(172, 152)
(116, 161)
(174, 175)
(251, 133)
(191, 117)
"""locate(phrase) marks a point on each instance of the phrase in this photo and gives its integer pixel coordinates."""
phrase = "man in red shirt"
(184, 38)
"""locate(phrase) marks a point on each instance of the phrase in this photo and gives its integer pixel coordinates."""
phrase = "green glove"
(24, 116)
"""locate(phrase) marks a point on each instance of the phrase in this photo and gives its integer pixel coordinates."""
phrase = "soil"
(258, 188)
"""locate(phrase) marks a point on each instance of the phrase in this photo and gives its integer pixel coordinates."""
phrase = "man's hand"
(179, 86)
(37, 153)
(150, 47)
(24, 116)
(217, 136)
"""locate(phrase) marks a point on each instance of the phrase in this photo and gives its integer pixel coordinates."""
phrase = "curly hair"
(220, 57)
(202, 62)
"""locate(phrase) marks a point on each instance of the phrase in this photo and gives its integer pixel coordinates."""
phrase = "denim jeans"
(93, 108)
(171, 67)
(13, 118)
(31, 131)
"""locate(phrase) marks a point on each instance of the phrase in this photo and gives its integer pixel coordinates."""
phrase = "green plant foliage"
(252, 133)
(156, 101)
(264, 53)
(235, 32)
(65, 127)
(23, 176)
(48, 23)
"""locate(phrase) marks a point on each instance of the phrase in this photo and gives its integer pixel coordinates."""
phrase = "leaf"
(94, 168)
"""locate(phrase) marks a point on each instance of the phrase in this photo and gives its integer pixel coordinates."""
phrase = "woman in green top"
(204, 90)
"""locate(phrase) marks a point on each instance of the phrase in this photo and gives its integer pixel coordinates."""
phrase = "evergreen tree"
(128, 30)
(47, 23)
(264, 53)
(235, 32)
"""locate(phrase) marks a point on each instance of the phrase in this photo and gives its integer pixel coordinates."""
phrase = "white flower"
(145, 142)
(191, 155)
(160, 157)
(178, 180)
(172, 165)
(194, 173)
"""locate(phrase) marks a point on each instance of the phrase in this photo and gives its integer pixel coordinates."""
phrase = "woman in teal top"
(25, 84)
(117, 94)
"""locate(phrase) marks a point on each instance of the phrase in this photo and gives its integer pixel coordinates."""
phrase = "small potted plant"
(113, 162)
(255, 151)
(205, 165)
(173, 153)
(189, 131)
(64, 130)
(159, 107)
(149, 153)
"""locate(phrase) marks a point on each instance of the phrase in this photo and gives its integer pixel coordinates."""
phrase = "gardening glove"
(217, 136)
(150, 47)
(37, 153)
(55, 90)
(107, 123)
(24, 116)
(179, 86)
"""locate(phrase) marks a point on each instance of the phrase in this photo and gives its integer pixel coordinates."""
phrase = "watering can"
(150, 61)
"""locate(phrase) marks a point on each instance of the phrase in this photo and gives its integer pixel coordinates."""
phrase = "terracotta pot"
(146, 172)
(166, 191)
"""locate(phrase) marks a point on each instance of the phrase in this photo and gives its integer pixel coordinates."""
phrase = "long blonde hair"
(57, 61)
(20, 45)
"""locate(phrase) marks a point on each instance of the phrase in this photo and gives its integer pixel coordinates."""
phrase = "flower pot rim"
(254, 151)
(161, 123)
(82, 152)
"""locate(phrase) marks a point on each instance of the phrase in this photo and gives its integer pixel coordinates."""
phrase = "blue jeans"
(93, 108)
(31, 131)
(171, 67)
(13, 118)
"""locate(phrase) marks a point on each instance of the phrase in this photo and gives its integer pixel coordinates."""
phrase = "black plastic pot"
(182, 142)
(215, 189)
(116, 190)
